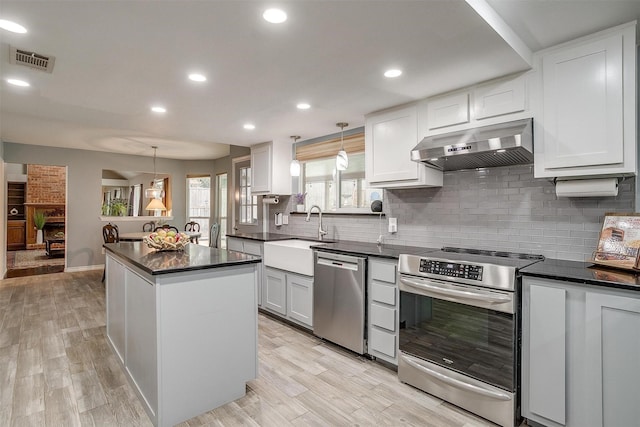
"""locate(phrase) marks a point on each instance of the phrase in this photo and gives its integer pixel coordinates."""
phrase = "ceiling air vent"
(31, 59)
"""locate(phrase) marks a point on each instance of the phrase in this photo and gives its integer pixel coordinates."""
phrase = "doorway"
(199, 204)
(36, 219)
(246, 215)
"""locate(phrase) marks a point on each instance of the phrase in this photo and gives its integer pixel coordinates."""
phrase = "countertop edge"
(146, 269)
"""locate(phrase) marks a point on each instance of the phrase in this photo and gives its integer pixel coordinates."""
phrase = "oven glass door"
(477, 342)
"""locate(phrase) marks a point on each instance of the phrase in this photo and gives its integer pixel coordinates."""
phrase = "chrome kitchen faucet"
(321, 231)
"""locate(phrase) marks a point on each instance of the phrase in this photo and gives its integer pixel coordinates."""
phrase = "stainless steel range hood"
(502, 144)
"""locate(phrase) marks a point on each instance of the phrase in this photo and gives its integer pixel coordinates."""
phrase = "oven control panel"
(450, 269)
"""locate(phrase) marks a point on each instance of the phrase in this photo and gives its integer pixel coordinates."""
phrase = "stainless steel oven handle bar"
(457, 383)
(427, 285)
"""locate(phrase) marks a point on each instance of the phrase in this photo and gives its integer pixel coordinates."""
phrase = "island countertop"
(194, 257)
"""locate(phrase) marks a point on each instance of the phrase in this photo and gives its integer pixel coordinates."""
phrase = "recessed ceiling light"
(158, 109)
(12, 26)
(275, 16)
(392, 73)
(197, 77)
(17, 82)
(303, 106)
(249, 126)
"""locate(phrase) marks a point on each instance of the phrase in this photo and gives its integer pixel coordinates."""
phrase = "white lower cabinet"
(275, 291)
(580, 347)
(251, 247)
(383, 308)
(289, 295)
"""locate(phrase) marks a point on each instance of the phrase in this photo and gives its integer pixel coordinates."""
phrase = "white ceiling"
(114, 59)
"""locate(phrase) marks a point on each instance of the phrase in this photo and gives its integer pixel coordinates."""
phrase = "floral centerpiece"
(299, 198)
(163, 240)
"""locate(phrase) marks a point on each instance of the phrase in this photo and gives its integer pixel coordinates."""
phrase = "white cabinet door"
(496, 99)
(274, 293)
(448, 110)
(116, 294)
(585, 112)
(544, 352)
(141, 350)
(261, 168)
(270, 163)
(300, 298)
(389, 138)
(613, 348)
(582, 93)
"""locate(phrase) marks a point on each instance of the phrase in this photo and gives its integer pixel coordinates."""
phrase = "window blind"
(321, 150)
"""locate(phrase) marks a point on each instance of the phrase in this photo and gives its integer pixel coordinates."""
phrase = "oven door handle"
(488, 297)
(457, 383)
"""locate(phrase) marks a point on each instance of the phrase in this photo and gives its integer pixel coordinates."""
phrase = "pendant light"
(154, 193)
(342, 160)
(294, 168)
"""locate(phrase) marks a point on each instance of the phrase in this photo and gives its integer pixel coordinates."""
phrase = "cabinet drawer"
(252, 248)
(383, 293)
(384, 272)
(383, 317)
(382, 342)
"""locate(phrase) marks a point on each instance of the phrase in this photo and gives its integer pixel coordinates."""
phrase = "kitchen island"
(183, 325)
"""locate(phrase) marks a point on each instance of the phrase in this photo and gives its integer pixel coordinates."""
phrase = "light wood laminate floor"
(56, 369)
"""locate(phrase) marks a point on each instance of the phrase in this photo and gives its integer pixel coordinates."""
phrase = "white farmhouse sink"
(290, 255)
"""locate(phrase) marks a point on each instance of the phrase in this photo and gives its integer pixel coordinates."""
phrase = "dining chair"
(214, 232)
(167, 227)
(193, 227)
(109, 235)
(148, 226)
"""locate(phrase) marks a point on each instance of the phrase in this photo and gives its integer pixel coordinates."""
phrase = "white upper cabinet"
(585, 121)
(499, 98)
(389, 138)
(448, 110)
(270, 168)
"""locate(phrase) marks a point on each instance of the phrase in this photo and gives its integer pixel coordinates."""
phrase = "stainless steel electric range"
(459, 328)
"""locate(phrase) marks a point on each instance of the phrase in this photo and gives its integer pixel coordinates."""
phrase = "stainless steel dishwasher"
(339, 299)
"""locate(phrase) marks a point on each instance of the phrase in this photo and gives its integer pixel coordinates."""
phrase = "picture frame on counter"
(619, 241)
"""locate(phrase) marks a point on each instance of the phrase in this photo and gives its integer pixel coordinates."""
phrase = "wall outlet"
(285, 219)
(393, 225)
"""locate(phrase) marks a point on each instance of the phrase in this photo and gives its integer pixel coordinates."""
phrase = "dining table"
(138, 235)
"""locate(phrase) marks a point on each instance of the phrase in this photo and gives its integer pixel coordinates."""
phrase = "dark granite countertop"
(583, 272)
(194, 257)
(370, 249)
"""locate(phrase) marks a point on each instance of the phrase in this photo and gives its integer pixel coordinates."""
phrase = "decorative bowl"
(167, 240)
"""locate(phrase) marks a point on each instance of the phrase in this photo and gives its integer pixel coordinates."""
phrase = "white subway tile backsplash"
(499, 208)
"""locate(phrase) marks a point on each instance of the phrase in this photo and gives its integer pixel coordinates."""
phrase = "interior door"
(246, 215)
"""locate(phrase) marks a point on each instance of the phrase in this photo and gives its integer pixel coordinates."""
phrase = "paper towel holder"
(587, 187)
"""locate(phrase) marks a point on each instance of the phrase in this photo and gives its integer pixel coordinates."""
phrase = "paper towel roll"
(602, 187)
(270, 200)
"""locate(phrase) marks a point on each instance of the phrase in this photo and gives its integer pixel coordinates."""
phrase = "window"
(248, 203)
(333, 190)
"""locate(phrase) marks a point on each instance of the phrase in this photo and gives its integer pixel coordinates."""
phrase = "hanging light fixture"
(294, 168)
(155, 193)
(342, 160)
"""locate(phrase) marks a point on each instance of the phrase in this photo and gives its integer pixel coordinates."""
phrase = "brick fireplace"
(46, 192)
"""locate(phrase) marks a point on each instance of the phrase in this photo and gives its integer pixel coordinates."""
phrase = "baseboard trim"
(83, 268)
